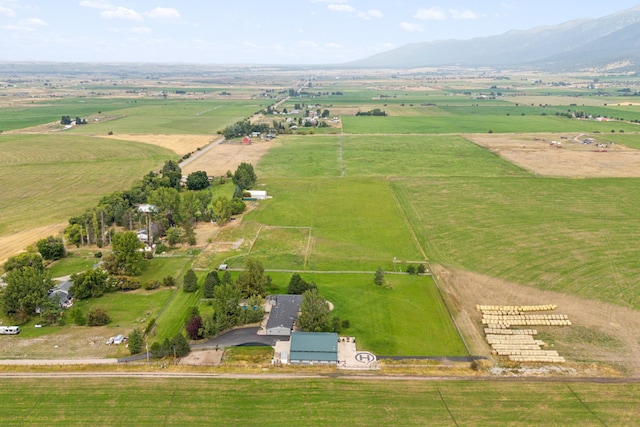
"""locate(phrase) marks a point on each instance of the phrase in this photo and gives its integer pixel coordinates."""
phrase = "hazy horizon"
(311, 32)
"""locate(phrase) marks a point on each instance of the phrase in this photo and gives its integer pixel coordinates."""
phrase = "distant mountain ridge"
(612, 41)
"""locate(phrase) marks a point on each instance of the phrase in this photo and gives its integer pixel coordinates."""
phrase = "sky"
(284, 32)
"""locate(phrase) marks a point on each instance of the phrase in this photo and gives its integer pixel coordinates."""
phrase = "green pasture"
(279, 248)
(135, 115)
(463, 123)
(356, 223)
(49, 178)
(577, 236)
(173, 117)
(39, 113)
(406, 319)
(333, 401)
(629, 140)
(383, 156)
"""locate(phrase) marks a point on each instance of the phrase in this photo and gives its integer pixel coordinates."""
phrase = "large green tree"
(221, 210)
(314, 312)
(210, 282)
(172, 173)
(51, 248)
(27, 289)
(25, 259)
(127, 253)
(190, 281)
(245, 177)
(136, 341)
(252, 280)
(198, 180)
(91, 283)
(298, 286)
(226, 310)
(194, 205)
(167, 203)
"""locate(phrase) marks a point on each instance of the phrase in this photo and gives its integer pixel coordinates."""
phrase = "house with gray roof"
(283, 314)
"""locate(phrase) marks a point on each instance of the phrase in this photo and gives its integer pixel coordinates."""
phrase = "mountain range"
(608, 43)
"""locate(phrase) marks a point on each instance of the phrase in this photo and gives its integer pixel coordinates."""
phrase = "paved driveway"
(238, 337)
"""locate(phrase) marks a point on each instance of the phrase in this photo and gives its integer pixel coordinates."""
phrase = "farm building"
(314, 347)
(283, 314)
(257, 194)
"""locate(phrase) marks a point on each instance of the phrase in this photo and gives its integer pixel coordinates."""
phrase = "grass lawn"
(174, 314)
(128, 309)
(71, 264)
(184, 401)
(409, 319)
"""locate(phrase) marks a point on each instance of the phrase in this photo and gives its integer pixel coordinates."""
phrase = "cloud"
(341, 8)
(306, 44)
(463, 14)
(132, 30)
(408, 26)
(373, 13)
(166, 13)
(140, 30)
(7, 12)
(34, 22)
(96, 4)
(25, 25)
(121, 13)
(328, 1)
(431, 14)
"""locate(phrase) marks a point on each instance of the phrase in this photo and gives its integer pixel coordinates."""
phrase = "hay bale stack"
(518, 344)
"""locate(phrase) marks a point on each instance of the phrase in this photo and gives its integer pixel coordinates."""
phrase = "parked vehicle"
(9, 330)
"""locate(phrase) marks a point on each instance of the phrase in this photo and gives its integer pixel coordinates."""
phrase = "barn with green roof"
(313, 348)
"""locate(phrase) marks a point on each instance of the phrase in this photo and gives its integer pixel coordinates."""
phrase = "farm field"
(567, 235)
(425, 182)
(44, 186)
(107, 401)
(479, 123)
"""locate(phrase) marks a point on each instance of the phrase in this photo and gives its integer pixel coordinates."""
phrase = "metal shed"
(314, 348)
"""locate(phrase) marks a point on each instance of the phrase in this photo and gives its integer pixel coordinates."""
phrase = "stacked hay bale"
(518, 344)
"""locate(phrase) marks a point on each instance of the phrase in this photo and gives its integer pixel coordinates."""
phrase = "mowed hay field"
(370, 402)
(49, 178)
(568, 235)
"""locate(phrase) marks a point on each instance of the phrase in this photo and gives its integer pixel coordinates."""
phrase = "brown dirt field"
(179, 144)
(72, 343)
(536, 154)
(205, 357)
(604, 339)
(11, 244)
(227, 156)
